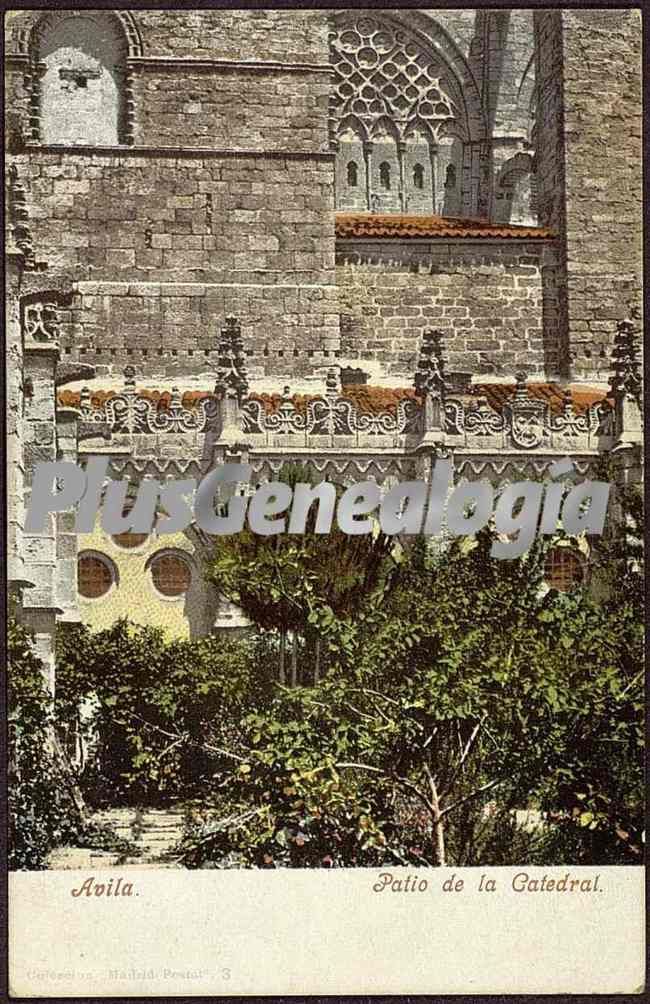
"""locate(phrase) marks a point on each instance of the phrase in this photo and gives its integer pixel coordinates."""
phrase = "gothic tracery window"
(397, 98)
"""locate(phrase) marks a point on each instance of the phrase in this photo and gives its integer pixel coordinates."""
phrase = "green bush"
(42, 812)
(162, 708)
(469, 692)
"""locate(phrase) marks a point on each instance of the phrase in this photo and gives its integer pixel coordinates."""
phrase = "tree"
(160, 707)
(43, 812)
(469, 692)
(292, 584)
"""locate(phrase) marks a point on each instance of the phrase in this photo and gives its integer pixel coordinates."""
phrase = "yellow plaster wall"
(134, 595)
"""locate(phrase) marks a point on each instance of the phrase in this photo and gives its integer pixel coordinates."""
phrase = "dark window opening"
(171, 575)
(418, 176)
(353, 174)
(384, 174)
(450, 177)
(94, 577)
(563, 569)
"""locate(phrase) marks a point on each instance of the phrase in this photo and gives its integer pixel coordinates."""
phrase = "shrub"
(161, 708)
(42, 812)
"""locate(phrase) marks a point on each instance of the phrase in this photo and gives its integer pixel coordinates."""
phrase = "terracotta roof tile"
(385, 225)
(552, 393)
(370, 399)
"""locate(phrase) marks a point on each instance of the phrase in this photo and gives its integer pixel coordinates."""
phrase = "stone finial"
(626, 378)
(430, 372)
(129, 378)
(85, 400)
(331, 382)
(232, 377)
(521, 391)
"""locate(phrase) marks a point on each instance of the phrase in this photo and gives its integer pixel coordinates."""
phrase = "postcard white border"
(195, 933)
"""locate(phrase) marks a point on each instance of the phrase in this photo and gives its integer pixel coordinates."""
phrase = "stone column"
(41, 353)
(14, 426)
(66, 538)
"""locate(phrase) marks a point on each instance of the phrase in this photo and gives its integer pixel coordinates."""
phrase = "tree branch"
(473, 794)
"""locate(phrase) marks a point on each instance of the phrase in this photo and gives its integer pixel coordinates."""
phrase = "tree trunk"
(317, 662)
(283, 645)
(439, 832)
(71, 784)
(438, 825)
(294, 660)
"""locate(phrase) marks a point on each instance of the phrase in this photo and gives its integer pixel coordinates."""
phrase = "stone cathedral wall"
(590, 170)
(221, 203)
(220, 196)
(493, 301)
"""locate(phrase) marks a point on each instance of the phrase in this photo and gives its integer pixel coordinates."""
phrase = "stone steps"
(155, 833)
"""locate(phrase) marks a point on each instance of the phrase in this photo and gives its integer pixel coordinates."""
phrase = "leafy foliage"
(154, 707)
(296, 582)
(470, 691)
(42, 813)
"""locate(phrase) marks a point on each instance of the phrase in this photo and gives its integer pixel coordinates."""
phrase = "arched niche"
(514, 197)
(419, 169)
(80, 86)
(351, 175)
(386, 189)
(449, 176)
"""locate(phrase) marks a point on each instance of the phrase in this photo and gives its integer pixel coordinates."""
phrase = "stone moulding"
(224, 65)
(185, 152)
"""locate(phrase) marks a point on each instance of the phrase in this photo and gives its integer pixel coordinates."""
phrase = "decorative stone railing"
(132, 413)
(330, 416)
(526, 423)
(333, 421)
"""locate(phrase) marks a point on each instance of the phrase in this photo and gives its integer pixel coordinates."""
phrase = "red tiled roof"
(398, 226)
(370, 399)
(552, 393)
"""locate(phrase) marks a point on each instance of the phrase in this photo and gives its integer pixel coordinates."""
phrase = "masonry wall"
(161, 248)
(133, 594)
(590, 170)
(163, 239)
(490, 300)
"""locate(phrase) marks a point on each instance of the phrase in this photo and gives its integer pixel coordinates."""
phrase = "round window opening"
(128, 539)
(563, 569)
(94, 576)
(171, 575)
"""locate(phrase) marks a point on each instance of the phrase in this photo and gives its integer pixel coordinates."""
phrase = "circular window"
(94, 576)
(128, 539)
(563, 569)
(171, 574)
